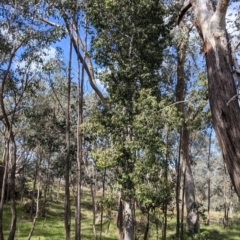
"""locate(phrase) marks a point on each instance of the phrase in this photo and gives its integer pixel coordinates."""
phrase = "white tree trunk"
(210, 23)
(128, 221)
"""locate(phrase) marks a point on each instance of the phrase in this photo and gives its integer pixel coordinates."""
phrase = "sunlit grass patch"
(52, 227)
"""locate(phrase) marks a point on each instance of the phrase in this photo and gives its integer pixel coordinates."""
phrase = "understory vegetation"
(52, 227)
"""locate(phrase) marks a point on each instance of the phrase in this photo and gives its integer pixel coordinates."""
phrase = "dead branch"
(237, 45)
(233, 98)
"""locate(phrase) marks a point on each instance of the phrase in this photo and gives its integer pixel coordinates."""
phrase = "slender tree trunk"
(192, 212)
(209, 178)
(79, 155)
(59, 186)
(103, 195)
(8, 125)
(94, 212)
(12, 186)
(46, 187)
(120, 217)
(183, 204)
(34, 188)
(67, 217)
(6, 161)
(226, 200)
(37, 206)
(165, 205)
(79, 169)
(178, 186)
(147, 226)
(157, 227)
(210, 22)
(128, 221)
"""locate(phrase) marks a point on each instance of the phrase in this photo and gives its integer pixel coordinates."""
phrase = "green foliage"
(105, 158)
(151, 189)
(128, 136)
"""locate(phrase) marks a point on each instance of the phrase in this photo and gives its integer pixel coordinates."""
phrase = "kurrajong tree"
(129, 44)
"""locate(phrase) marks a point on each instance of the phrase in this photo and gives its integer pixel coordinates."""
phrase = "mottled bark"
(13, 154)
(209, 179)
(4, 179)
(120, 218)
(192, 225)
(226, 117)
(224, 106)
(128, 221)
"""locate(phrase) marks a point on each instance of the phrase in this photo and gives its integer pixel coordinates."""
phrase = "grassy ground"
(52, 227)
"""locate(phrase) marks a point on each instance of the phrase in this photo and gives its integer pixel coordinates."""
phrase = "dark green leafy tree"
(129, 44)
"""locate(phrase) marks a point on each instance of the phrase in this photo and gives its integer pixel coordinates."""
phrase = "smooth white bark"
(128, 221)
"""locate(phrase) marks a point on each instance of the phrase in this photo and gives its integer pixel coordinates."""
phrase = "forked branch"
(183, 10)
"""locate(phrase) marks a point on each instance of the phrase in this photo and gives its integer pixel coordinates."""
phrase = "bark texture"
(128, 221)
(210, 22)
(192, 225)
(120, 218)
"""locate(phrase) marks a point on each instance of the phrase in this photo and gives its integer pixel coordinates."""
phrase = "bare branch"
(87, 66)
(183, 10)
(238, 44)
(5, 116)
(8, 114)
(233, 98)
(50, 23)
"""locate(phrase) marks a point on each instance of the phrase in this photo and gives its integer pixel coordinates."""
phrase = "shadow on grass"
(219, 233)
(91, 237)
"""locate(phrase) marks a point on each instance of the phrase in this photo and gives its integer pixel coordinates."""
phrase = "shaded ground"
(52, 227)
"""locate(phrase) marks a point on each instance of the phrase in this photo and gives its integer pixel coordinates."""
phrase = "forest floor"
(52, 226)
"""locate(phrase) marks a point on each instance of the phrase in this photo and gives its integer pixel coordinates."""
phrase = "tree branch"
(233, 98)
(222, 6)
(8, 114)
(218, 18)
(5, 116)
(237, 45)
(88, 67)
(183, 10)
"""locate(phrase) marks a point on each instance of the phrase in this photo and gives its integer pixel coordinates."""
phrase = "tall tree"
(189, 188)
(130, 40)
(67, 208)
(210, 20)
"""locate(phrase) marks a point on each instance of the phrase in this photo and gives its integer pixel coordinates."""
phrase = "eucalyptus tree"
(214, 192)
(190, 106)
(210, 20)
(24, 39)
(69, 21)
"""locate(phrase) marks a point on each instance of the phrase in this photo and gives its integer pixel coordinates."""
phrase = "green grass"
(52, 227)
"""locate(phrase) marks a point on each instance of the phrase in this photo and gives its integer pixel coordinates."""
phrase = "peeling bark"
(221, 85)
